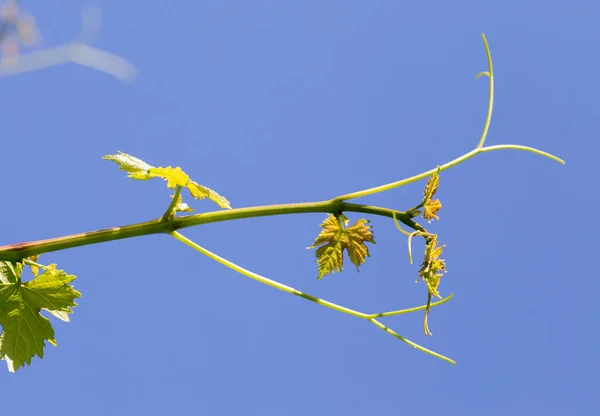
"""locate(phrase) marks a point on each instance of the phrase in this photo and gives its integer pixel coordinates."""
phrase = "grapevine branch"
(169, 224)
(16, 252)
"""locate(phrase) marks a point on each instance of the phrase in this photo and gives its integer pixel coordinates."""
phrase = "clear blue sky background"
(279, 101)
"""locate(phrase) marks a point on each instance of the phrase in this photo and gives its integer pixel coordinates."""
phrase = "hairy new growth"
(337, 237)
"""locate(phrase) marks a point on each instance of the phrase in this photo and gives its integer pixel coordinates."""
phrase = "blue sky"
(273, 102)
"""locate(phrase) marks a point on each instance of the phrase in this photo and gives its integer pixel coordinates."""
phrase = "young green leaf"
(24, 329)
(138, 169)
(431, 272)
(335, 238)
(431, 187)
(175, 177)
(200, 192)
(432, 267)
(10, 272)
(431, 207)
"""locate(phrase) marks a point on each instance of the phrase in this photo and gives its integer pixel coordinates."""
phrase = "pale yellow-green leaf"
(173, 176)
(200, 192)
(136, 168)
(177, 177)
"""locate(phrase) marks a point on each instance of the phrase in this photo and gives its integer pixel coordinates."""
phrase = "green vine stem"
(490, 75)
(409, 235)
(19, 251)
(34, 264)
(476, 151)
(16, 252)
(446, 166)
(172, 205)
(331, 305)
